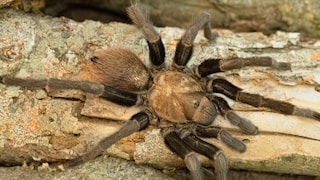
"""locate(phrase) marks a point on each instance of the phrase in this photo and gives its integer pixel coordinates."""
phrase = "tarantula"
(181, 99)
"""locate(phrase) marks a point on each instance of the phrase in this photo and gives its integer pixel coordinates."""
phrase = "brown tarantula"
(181, 99)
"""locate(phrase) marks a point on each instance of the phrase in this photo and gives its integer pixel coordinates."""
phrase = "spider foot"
(221, 166)
(306, 113)
(193, 164)
(231, 141)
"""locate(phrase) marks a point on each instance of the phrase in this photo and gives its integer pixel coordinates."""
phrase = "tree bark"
(53, 126)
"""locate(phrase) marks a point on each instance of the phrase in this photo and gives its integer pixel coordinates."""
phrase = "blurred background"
(240, 16)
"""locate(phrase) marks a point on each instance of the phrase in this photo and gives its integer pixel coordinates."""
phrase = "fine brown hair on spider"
(120, 68)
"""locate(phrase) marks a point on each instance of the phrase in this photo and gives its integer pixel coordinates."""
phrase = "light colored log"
(38, 127)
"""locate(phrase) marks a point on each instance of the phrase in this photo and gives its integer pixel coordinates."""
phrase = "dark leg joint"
(252, 99)
(182, 54)
(208, 67)
(224, 87)
(259, 101)
(142, 118)
(156, 52)
(278, 106)
(120, 97)
(173, 141)
(198, 145)
(207, 131)
(222, 105)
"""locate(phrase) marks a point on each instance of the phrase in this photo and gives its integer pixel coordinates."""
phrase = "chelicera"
(181, 99)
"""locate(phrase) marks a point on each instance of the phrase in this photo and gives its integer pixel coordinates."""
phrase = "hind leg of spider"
(156, 48)
(225, 87)
(136, 123)
(217, 156)
(118, 96)
(184, 48)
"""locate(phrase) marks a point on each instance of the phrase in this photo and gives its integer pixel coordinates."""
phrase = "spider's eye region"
(196, 104)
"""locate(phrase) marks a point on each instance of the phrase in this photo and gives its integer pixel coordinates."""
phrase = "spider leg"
(136, 123)
(177, 145)
(220, 134)
(212, 152)
(210, 66)
(118, 96)
(225, 87)
(184, 48)
(156, 48)
(229, 114)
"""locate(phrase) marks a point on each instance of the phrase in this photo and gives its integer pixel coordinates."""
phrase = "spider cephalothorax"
(178, 97)
(181, 99)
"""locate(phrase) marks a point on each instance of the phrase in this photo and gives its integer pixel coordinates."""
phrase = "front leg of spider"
(156, 48)
(184, 48)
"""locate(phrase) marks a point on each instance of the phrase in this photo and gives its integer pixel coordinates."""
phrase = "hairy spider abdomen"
(179, 98)
(120, 68)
